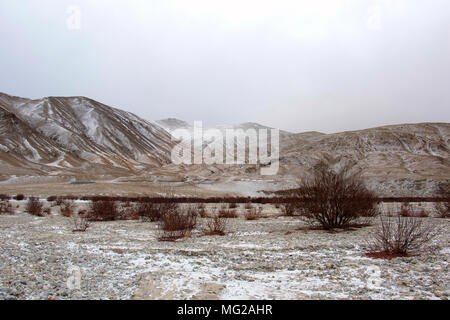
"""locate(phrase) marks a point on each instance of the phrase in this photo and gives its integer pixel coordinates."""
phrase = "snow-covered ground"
(270, 258)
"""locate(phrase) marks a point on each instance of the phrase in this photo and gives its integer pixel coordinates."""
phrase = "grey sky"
(325, 65)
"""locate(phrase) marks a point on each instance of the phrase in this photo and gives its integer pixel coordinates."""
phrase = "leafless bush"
(201, 209)
(252, 214)
(248, 206)
(402, 235)
(103, 210)
(34, 207)
(335, 199)
(215, 226)
(233, 205)
(80, 224)
(443, 207)
(19, 197)
(289, 208)
(442, 210)
(51, 198)
(4, 197)
(66, 208)
(6, 208)
(177, 223)
(227, 213)
(150, 211)
(406, 210)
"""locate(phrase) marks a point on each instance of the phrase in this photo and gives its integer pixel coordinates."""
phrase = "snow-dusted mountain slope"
(72, 131)
(69, 136)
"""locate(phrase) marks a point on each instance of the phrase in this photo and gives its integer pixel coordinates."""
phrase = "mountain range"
(63, 138)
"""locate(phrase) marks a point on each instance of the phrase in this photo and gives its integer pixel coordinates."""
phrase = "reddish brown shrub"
(228, 214)
(103, 210)
(6, 208)
(19, 197)
(335, 199)
(34, 207)
(443, 207)
(402, 236)
(51, 198)
(201, 209)
(233, 205)
(67, 208)
(406, 210)
(252, 214)
(289, 208)
(177, 223)
(4, 197)
(80, 224)
(215, 226)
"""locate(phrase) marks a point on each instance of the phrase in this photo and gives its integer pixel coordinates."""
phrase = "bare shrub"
(335, 199)
(402, 235)
(406, 210)
(215, 226)
(4, 197)
(19, 197)
(177, 223)
(66, 208)
(34, 207)
(289, 208)
(227, 213)
(201, 209)
(6, 208)
(150, 211)
(422, 214)
(80, 224)
(252, 214)
(443, 208)
(102, 210)
(233, 205)
(248, 206)
(51, 198)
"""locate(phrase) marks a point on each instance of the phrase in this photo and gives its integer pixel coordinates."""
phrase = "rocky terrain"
(269, 258)
(59, 141)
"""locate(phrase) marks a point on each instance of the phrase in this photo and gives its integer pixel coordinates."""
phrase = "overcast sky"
(325, 65)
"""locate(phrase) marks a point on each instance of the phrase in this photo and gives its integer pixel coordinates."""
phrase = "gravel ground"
(41, 258)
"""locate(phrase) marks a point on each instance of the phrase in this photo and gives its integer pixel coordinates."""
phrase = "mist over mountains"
(56, 137)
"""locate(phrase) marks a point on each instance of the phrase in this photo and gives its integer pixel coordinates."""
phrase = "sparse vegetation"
(215, 226)
(103, 210)
(248, 206)
(201, 209)
(443, 207)
(80, 224)
(5, 207)
(67, 208)
(177, 223)
(289, 208)
(401, 236)
(335, 199)
(19, 197)
(34, 207)
(406, 210)
(227, 213)
(252, 214)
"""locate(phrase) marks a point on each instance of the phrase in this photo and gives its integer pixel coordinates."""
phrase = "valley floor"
(269, 258)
